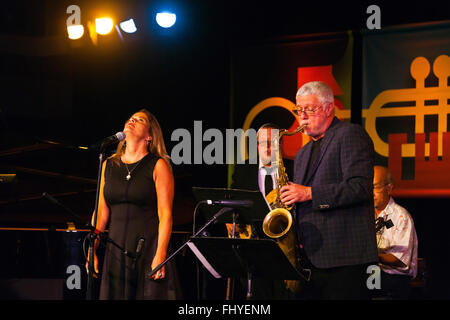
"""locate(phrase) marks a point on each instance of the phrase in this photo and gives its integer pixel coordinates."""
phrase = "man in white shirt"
(268, 168)
(263, 176)
(396, 239)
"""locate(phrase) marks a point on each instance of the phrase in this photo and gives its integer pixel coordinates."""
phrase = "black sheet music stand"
(245, 258)
(253, 216)
(248, 258)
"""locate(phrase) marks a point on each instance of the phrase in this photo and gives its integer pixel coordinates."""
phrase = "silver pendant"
(128, 177)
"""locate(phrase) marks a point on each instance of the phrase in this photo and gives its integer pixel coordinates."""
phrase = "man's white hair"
(319, 89)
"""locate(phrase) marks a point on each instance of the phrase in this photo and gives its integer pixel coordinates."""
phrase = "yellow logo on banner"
(420, 70)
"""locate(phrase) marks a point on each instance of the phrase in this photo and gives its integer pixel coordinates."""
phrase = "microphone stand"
(213, 219)
(92, 236)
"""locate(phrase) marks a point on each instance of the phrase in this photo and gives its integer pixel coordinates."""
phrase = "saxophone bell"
(277, 223)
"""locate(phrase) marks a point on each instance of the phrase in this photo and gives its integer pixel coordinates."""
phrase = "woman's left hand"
(161, 273)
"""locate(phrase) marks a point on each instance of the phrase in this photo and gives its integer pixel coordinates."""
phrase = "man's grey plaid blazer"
(337, 227)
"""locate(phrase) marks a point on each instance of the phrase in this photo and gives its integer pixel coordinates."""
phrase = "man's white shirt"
(399, 240)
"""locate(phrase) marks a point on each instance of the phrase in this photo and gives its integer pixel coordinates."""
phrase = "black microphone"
(138, 252)
(139, 247)
(119, 136)
(231, 203)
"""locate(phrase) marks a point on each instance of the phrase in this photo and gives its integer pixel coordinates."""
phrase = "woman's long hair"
(156, 146)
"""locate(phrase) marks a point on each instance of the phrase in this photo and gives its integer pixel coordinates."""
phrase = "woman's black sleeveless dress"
(133, 214)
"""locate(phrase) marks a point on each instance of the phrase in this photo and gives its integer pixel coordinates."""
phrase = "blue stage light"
(166, 19)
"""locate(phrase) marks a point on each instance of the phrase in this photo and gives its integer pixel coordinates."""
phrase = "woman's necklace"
(128, 177)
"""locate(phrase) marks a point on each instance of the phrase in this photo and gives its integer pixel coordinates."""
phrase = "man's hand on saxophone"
(292, 193)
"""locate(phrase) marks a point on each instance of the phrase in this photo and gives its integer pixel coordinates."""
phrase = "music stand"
(253, 215)
(246, 258)
(237, 257)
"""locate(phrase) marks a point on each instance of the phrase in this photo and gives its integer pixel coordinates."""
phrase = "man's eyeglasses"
(267, 143)
(309, 110)
(378, 187)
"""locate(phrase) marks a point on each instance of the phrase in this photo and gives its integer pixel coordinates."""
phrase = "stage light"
(75, 31)
(128, 26)
(103, 25)
(166, 19)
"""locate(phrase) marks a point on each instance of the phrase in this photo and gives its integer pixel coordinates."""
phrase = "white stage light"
(128, 26)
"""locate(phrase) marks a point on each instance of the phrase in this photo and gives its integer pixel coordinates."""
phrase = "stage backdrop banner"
(266, 77)
(406, 105)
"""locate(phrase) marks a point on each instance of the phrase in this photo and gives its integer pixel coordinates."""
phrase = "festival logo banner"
(406, 105)
(266, 77)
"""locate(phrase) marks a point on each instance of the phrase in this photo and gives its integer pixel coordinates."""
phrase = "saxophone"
(278, 224)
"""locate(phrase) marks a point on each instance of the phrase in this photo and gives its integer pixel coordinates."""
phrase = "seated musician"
(396, 239)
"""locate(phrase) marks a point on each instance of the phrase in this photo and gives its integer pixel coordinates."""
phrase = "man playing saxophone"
(332, 191)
